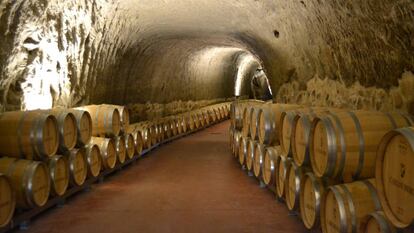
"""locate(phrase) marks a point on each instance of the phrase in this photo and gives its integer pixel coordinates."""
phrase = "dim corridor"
(189, 185)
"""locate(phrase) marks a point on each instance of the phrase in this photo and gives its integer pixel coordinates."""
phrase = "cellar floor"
(190, 185)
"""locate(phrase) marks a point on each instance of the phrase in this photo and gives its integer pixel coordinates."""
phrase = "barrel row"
(321, 162)
(77, 144)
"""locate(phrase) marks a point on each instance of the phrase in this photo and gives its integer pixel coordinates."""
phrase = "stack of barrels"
(341, 170)
(44, 153)
(162, 129)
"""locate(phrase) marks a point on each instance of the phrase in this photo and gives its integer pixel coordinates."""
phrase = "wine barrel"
(237, 112)
(236, 139)
(93, 159)
(344, 144)
(139, 144)
(254, 121)
(196, 120)
(282, 165)
(394, 176)
(78, 167)
(129, 145)
(161, 133)
(269, 122)
(301, 127)
(30, 181)
(206, 117)
(246, 120)
(66, 128)
(106, 120)
(258, 160)
(269, 166)
(286, 123)
(59, 174)
(108, 151)
(243, 150)
(212, 115)
(312, 194)
(120, 149)
(31, 135)
(167, 129)
(294, 179)
(231, 139)
(83, 127)
(123, 114)
(378, 223)
(7, 200)
(251, 146)
(347, 205)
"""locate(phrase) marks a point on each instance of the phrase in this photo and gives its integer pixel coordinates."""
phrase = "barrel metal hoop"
(351, 208)
(342, 212)
(332, 149)
(374, 195)
(342, 141)
(361, 145)
(29, 176)
(381, 221)
(408, 118)
(391, 119)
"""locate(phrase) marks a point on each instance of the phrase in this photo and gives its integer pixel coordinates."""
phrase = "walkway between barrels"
(192, 184)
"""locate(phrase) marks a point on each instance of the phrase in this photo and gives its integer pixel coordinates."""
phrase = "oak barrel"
(7, 200)
(377, 222)
(129, 145)
(59, 174)
(346, 206)
(254, 121)
(139, 144)
(294, 179)
(93, 159)
(236, 144)
(312, 194)
(258, 160)
(269, 122)
(123, 114)
(108, 151)
(269, 166)
(251, 146)
(66, 127)
(282, 165)
(120, 149)
(78, 167)
(83, 127)
(344, 144)
(31, 135)
(106, 120)
(243, 150)
(30, 181)
(394, 176)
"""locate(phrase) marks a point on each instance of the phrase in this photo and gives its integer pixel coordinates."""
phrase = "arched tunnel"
(56, 53)
(161, 58)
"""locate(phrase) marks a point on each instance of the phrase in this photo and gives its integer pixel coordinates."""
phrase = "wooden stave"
(299, 173)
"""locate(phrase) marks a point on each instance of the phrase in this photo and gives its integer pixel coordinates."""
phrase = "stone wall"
(356, 54)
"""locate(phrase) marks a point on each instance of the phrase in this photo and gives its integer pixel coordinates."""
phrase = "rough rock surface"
(357, 54)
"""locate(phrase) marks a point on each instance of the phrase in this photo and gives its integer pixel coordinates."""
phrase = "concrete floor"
(190, 185)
